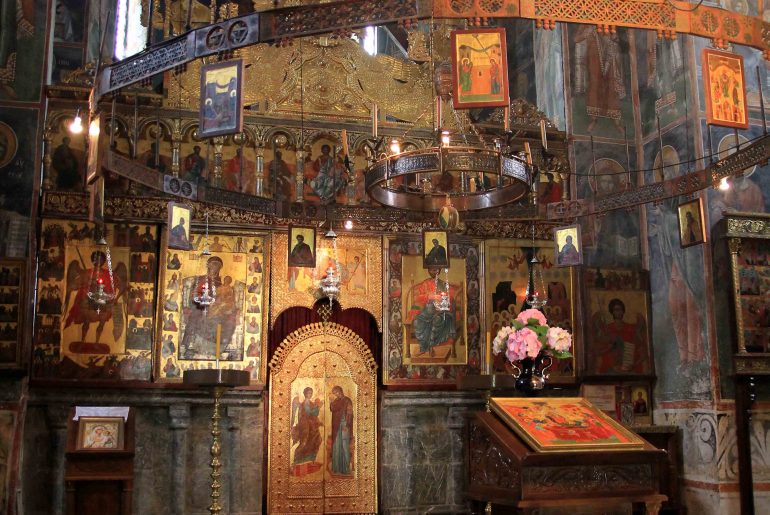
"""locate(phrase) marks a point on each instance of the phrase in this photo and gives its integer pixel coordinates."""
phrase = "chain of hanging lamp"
(208, 293)
(535, 295)
(330, 284)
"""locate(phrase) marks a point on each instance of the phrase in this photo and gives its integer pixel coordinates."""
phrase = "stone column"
(216, 179)
(56, 418)
(49, 182)
(232, 422)
(260, 177)
(179, 415)
(456, 476)
(299, 178)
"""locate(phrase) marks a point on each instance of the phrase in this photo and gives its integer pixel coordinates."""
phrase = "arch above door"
(322, 429)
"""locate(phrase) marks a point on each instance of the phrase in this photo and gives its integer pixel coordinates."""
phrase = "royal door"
(323, 422)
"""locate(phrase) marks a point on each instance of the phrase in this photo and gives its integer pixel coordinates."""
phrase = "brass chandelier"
(471, 174)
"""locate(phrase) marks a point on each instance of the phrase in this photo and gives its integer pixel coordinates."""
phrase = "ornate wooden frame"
(516, 270)
(83, 423)
(601, 288)
(694, 207)
(457, 59)
(395, 370)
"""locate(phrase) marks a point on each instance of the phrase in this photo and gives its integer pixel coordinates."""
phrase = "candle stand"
(219, 381)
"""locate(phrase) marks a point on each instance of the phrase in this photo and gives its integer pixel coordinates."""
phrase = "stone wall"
(171, 464)
(422, 451)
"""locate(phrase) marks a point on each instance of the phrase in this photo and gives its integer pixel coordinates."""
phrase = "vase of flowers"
(530, 345)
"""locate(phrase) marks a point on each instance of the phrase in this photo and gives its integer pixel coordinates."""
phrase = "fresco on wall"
(68, 159)
(69, 20)
(76, 338)
(549, 75)
(678, 287)
(22, 36)
(600, 77)
(326, 177)
(612, 238)
(239, 168)
(521, 59)
(749, 192)
(280, 167)
(18, 128)
(154, 152)
(661, 65)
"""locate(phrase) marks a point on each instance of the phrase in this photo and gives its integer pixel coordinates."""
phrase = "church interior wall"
(420, 450)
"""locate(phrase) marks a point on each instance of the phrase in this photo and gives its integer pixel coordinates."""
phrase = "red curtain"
(358, 320)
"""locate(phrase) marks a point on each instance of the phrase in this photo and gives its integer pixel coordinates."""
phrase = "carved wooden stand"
(219, 380)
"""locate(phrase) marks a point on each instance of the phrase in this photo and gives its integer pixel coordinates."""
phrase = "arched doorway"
(323, 423)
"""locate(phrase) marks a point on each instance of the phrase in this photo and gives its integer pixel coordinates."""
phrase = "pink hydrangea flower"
(517, 347)
(523, 343)
(525, 315)
(558, 339)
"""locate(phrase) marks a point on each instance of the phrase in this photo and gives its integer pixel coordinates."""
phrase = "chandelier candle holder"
(441, 300)
(422, 179)
(100, 297)
(218, 380)
(530, 346)
(331, 283)
(207, 294)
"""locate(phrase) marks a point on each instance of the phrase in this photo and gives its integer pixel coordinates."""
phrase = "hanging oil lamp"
(208, 291)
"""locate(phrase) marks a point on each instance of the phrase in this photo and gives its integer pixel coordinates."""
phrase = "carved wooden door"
(322, 429)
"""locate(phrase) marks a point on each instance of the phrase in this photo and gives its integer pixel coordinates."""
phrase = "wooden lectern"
(510, 477)
(99, 475)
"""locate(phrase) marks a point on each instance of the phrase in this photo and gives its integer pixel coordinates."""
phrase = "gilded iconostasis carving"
(358, 260)
(78, 339)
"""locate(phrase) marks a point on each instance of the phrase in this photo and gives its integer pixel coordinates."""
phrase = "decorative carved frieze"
(563, 480)
(489, 465)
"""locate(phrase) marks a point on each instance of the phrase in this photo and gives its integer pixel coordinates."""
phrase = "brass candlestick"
(216, 451)
(219, 380)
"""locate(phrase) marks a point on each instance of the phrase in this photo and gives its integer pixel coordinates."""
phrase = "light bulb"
(93, 128)
(445, 138)
(76, 127)
(348, 224)
(723, 184)
(395, 146)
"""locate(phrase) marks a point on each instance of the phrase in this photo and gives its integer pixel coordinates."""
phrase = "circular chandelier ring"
(394, 180)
